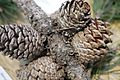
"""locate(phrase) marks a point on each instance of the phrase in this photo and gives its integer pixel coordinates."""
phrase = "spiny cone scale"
(72, 17)
(74, 14)
(41, 69)
(94, 42)
(20, 41)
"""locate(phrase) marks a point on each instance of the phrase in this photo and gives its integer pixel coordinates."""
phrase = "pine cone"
(74, 14)
(41, 69)
(72, 17)
(20, 41)
(91, 44)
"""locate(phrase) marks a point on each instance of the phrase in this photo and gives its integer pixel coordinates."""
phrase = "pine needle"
(9, 12)
(108, 10)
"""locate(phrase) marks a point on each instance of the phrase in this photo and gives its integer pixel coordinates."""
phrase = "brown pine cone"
(43, 68)
(72, 17)
(74, 14)
(20, 41)
(91, 44)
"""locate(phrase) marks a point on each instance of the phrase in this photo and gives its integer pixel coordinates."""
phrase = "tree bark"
(36, 16)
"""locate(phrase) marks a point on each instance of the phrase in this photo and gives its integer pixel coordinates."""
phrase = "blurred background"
(107, 10)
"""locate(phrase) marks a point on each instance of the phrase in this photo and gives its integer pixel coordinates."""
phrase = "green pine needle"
(9, 12)
(108, 10)
(105, 65)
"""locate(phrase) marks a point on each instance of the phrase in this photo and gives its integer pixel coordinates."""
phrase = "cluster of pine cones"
(73, 28)
(89, 36)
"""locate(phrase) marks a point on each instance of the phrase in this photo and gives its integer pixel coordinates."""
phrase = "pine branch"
(36, 16)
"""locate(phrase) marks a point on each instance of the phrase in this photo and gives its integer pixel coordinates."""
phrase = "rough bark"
(63, 53)
(36, 16)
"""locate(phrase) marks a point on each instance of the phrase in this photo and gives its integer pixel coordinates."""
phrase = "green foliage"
(9, 12)
(106, 65)
(108, 10)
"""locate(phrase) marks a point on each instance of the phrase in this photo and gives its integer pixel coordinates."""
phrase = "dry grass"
(9, 65)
